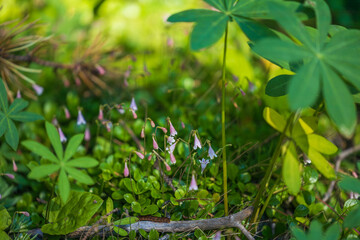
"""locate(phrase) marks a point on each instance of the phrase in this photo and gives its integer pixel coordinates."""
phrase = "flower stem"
(223, 124)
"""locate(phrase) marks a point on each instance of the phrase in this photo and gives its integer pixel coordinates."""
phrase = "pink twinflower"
(172, 158)
(211, 153)
(203, 163)
(142, 135)
(87, 134)
(197, 143)
(67, 113)
(133, 105)
(152, 123)
(126, 170)
(140, 155)
(15, 168)
(173, 132)
(62, 135)
(133, 113)
(193, 184)
(101, 114)
(38, 89)
(100, 69)
(80, 119)
(25, 213)
(18, 94)
(163, 129)
(168, 168)
(155, 145)
(217, 235)
(9, 175)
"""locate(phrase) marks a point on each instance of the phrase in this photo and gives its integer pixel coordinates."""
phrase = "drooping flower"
(172, 158)
(18, 94)
(252, 86)
(152, 123)
(121, 109)
(171, 148)
(126, 170)
(163, 129)
(193, 184)
(155, 145)
(142, 135)
(62, 135)
(203, 163)
(38, 89)
(100, 69)
(15, 168)
(140, 155)
(87, 134)
(0, 196)
(242, 92)
(80, 119)
(168, 168)
(133, 105)
(54, 121)
(77, 81)
(101, 114)
(133, 113)
(149, 157)
(211, 153)
(182, 124)
(217, 235)
(170, 42)
(197, 143)
(108, 125)
(235, 78)
(67, 113)
(173, 132)
(170, 140)
(9, 175)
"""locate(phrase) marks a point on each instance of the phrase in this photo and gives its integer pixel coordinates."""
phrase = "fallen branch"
(231, 221)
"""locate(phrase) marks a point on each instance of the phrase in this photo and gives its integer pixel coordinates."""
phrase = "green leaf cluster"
(5, 221)
(352, 220)
(9, 114)
(325, 66)
(211, 25)
(61, 163)
(316, 232)
(78, 210)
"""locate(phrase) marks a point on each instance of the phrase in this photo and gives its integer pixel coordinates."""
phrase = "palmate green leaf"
(3, 97)
(323, 21)
(39, 172)
(208, 31)
(304, 87)
(79, 176)
(218, 4)
(290, 23)
(11, 134)
(54, 139)
(333, 232)
(82, 162)
(253, 30)
(40, 150)
(277, 49)
(298, 233)
(194, 15)
(278, 86)
(78, 210)
(25, 117)
(315, 231)
(3, 126)
(64, 186)
(17, 106)
(72, 146)
(291, 170)
(339, 102)
(352, 220)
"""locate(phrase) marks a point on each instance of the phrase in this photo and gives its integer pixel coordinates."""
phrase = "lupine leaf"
(40, 150)
(82, 162)
(11, 134)
(339, 103)
(304, 87)
(72, 146)
(208, 32)
(291, 170)
(333, 232)
(194, 15)
(218, 4)
(3, 125)
(17, 106)
(278, 86)
(64, 186)
(79, 176)
(253, 30)
(323, 21)
(25, 116)
(3, 97)
(54, 137)
(315, 231)
(39, 172)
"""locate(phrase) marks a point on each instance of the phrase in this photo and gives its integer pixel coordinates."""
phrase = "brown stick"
(231, 221)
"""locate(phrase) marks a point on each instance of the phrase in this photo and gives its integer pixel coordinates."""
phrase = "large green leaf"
(82, 162)
(333, 232)
(194, 15)
(40, 150)
(323, 21)
(39, 172)
(79, 176)
(208, 31)
(17, 106)
(64, 186)
(291, 170)
(304, 87)
(352, 220)
(3, 125)
(54, 139)
(5, 219)
(350, 184)
(218, 4)
(278, 86)
(3, 97)
(72, 146)
(253, 30)
(11, 134)
(339, 103)
(321, 144)
(25, 116)
(78, 210)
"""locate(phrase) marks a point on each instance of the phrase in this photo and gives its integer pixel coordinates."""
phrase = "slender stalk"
(223, 124)
(269, 170)
(47, 213)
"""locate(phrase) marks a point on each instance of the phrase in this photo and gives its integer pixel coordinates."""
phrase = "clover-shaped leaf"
(329, 65)
(9, 114)
(211, 25)
(61, 163)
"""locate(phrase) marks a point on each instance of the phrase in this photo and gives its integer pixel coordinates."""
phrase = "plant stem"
(269, 170)
(47, 213)
(223, 124)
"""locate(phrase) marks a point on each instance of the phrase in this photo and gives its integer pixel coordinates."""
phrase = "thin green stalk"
(223, 124)
(269, 170)
(47, 213)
